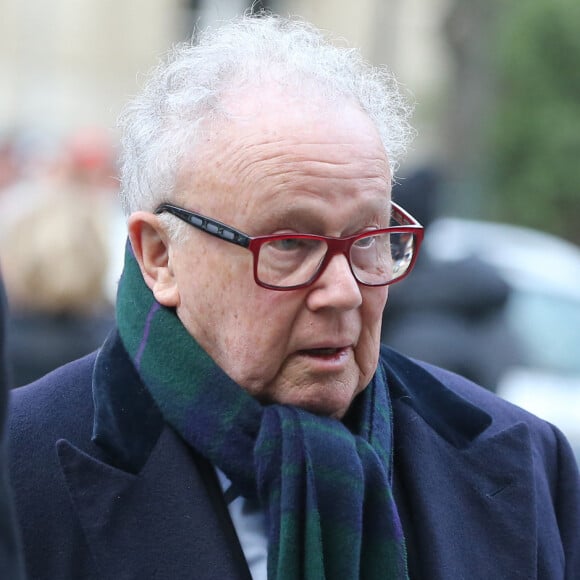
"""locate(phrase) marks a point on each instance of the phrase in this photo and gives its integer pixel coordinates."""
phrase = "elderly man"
(243, 421)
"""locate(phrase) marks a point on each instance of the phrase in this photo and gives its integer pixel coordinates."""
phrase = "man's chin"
(326, 399)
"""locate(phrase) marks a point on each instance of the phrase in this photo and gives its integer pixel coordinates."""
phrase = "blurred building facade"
(67, 63)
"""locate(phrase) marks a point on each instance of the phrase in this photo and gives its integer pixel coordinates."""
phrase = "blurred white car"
(542, 311)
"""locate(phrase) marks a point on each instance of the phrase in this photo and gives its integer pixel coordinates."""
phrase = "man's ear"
(151, 247)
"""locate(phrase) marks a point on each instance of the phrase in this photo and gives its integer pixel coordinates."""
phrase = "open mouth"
(322, 352)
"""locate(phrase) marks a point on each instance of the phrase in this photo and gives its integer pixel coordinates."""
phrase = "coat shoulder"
(58, 405)
(440, 382)
(503, 413)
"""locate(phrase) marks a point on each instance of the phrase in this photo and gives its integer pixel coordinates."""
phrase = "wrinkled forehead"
(295, 116)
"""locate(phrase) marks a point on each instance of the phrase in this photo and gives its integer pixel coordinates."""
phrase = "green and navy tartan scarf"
(325, 485)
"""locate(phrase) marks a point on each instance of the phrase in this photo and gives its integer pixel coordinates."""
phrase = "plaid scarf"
(325, 485)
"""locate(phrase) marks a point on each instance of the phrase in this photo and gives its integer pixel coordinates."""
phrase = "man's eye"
(288, 244)
(365, 243)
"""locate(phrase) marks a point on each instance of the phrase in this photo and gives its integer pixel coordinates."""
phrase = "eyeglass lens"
(375, 259)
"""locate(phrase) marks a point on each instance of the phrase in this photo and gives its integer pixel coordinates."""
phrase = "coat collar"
(127, 422)
(451, 416)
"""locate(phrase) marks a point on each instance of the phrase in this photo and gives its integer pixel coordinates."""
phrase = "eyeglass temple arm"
(405, 217)
(210, 226)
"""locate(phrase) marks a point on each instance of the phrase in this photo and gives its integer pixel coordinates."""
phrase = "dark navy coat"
(105, 490)
(10, 557)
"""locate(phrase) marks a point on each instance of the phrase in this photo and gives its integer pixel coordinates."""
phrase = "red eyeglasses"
(293, 261)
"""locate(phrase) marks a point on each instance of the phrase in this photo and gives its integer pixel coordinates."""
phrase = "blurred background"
(494, 175)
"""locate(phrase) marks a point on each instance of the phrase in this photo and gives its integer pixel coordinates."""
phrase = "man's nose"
(336, 287)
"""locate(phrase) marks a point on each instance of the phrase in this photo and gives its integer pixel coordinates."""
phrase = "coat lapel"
(467, 482)
(151, 508)
(468, 503)
(163, 522)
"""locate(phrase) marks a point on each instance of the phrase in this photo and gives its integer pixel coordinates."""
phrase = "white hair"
(161, 125)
